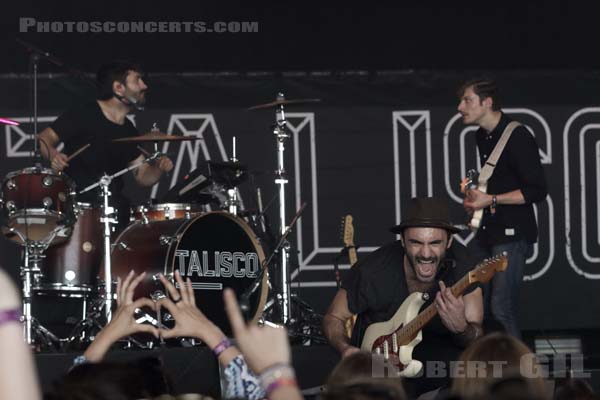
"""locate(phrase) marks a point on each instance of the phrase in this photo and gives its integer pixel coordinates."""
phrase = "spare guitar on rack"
(350, 248)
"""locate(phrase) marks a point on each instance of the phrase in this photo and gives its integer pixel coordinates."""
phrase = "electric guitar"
(348, 238)
(472, 182)
(395, 339)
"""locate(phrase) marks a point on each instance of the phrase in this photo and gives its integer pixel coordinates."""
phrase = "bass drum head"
(218, 250)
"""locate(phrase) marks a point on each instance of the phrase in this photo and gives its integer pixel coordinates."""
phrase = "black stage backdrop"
(375, 141)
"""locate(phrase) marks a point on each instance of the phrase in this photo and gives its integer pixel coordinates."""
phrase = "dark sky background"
(306, 36)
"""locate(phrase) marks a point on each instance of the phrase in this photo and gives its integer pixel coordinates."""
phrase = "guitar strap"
(488, 169)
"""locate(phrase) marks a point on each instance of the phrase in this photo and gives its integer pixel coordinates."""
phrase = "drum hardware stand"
(245, 297)
(281, 180)
(297, 327)
(107, 218)
(87, 328)
(33, 254)
(232, 203)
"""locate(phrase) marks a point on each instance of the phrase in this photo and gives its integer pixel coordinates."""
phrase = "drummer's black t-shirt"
(87, 124)
(376, 287)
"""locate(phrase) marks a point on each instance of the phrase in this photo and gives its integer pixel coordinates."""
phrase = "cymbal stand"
(232, 203)
(281, 134)
(108, 218)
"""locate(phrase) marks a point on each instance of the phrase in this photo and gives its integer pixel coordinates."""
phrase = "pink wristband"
(222, 346)
(13, 315)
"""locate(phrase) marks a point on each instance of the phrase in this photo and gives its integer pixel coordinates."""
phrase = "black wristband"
(470, 333)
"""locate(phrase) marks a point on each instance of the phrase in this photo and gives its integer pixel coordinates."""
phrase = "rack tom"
(166, 211)
(36, 203)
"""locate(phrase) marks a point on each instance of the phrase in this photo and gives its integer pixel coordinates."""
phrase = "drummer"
(121, 90)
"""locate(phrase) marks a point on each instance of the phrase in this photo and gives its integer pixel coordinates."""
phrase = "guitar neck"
(410, 330)
(352, 256)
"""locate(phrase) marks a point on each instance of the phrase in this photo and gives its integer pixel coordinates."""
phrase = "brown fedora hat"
(427, 212)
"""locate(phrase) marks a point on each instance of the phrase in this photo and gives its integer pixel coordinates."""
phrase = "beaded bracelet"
(222, 346)
(13, 315)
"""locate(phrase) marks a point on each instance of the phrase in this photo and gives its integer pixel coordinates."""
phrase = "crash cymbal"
(155, 137)
(282, 102)
(233, 165)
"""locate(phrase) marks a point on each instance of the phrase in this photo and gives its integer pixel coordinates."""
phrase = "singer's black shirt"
(519, 167)
(87, 124)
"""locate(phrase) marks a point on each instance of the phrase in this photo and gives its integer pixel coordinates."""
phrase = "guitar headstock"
(486, 269)
(348, 231)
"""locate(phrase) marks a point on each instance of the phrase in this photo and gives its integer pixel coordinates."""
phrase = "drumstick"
(78, 152)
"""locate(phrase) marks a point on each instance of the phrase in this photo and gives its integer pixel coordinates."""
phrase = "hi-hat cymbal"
(155, 137)
(282, 102)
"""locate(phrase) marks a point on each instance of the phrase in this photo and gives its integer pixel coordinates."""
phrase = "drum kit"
(70, 250)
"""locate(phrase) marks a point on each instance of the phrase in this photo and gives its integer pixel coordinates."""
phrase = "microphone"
(130, 101)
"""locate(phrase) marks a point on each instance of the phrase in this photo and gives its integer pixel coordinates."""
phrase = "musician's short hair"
(483, 87)
(113, 71)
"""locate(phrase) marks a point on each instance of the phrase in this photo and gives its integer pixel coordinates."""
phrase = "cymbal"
(283, 102)
(155, 137)
(233, 165)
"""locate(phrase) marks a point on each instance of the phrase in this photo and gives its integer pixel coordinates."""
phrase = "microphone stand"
(35, 55)
(245, 297)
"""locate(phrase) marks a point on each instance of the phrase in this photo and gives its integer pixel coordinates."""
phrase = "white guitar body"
(407, 311)
(478, 215)
(469, 183)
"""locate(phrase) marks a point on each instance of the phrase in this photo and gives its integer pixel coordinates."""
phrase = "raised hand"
(123, 321)
(262, 346)
(189, 320)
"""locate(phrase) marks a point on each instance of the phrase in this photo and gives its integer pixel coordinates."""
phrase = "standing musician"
(508, 223)
(425, 259)
(121, 90)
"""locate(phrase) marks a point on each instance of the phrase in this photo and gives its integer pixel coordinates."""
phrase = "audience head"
(108, 381)
(359, 376)
(574, 389)
(498, 359)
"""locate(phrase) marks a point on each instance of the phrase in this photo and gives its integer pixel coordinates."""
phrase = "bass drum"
(215, 250)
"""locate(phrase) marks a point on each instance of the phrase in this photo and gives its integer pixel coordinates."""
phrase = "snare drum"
(36, 204)
(71, 268)
(215, 250)
(164, 211)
